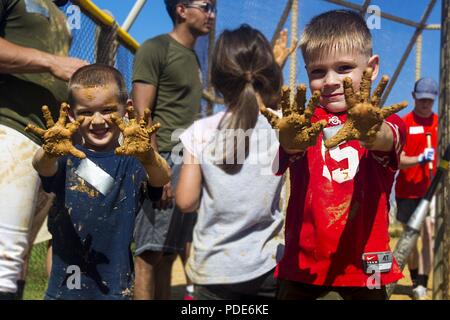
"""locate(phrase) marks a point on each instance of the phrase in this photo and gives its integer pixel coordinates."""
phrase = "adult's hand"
(19, 59)
(281, 51)
(64, 67)
(166, 198)
(426, 156)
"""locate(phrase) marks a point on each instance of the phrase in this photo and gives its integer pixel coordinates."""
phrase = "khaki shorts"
(19, 185)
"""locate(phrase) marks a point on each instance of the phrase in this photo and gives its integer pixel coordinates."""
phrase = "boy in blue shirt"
(98, 185)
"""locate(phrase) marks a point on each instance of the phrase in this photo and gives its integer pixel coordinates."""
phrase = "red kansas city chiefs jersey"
(413, 182)
(338, 209)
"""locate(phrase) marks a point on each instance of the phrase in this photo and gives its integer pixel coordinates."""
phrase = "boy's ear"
(129, 103)
(374, 63)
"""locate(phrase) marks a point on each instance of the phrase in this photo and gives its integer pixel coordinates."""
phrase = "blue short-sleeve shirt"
(92, 230)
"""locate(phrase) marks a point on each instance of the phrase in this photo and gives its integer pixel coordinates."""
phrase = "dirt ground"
(403, 290)
(178, 280)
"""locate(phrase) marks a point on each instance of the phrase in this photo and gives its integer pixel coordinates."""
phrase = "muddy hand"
(58, 136)
(280, 50)
(136, 134)
(365, 116)
(296, 130)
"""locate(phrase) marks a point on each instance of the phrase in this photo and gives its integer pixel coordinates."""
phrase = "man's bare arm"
(425, 157)
(18, 59)
(406, 161)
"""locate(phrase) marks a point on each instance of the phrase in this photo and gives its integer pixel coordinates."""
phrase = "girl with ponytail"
(227, 175)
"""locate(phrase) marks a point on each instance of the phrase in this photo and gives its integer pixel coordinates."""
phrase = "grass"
(37, 277)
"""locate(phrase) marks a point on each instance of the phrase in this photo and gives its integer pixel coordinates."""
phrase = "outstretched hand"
(280, 50)
(365, 116)
(296, 130)
(136, 135)
(57, 137)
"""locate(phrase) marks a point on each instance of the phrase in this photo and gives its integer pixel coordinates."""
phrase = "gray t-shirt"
(239, 232)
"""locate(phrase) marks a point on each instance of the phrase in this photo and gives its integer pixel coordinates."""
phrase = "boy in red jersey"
(337, 219)
(414, 177)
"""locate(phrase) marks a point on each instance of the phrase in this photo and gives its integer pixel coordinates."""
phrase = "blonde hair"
(336, 31)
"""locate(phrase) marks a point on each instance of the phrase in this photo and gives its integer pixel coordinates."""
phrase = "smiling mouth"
(337, 97)
(327, 96)
(99, 132)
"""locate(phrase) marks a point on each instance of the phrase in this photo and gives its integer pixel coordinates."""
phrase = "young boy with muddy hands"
(343, 151)
(99, 185)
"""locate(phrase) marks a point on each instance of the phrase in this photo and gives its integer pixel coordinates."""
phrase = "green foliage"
(37, 277)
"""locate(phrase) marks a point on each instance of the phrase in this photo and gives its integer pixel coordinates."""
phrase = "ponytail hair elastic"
(248, 76)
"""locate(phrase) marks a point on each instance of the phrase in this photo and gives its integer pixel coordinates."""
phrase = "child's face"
(97, 104)
(327, 74)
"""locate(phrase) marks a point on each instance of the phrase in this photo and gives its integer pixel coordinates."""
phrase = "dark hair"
(171, 6)
(243, 65)
(60, 3)
(97, 75)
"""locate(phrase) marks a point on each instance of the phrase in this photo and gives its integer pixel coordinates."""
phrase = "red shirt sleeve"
(283, 160)
(391, 158)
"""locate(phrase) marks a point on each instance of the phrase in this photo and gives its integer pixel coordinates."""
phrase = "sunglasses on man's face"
(206, 7)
